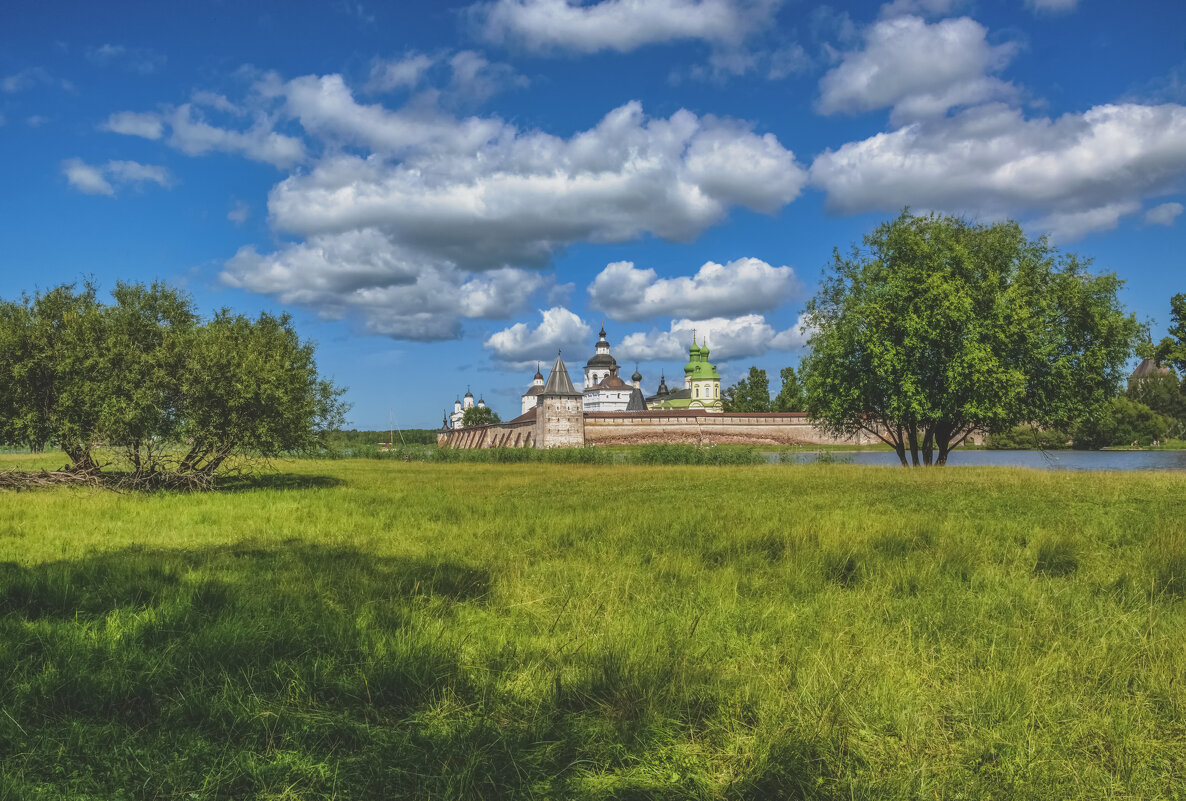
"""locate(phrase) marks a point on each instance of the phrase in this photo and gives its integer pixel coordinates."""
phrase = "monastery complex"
(607, 410)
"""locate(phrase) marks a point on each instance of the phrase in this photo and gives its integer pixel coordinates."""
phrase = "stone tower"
(560, 415)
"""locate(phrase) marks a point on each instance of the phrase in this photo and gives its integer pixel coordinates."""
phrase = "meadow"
(387, 629)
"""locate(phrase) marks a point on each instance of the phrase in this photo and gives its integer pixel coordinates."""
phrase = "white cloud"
(433, 197)
(728, 338)
(1067, 226)
(621, 25)
(30, 77)
(1053, 6)
(521, 196)
(476, 78)
(131, 172)
(326, 108)
(1079, 171)
(405, 72)
(1165, 214)
(559, 330)
(85, 178)
(363, 275)
(191, 134)
(216, 101)
(918, 68)
(137, 59)
(102, 180)
(932, 8)
(742, 286)
(239, 212)
(131, 123)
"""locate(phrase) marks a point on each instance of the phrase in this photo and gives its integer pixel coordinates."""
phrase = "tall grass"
(376, 629)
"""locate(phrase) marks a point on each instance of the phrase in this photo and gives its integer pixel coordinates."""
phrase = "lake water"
(1042, 460)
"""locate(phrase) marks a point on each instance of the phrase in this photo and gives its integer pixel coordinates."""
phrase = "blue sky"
(444, 193)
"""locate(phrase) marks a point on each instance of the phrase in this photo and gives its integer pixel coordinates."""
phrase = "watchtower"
(560, 415)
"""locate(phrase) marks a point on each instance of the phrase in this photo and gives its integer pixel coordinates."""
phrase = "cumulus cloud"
(326, 108)
(85, 178)
(1165, 214)
(131, 123)
(742, 286)
(103, 179)
(518, 197)
(727, 337)
(410, 201)
(621, 25)
(1079, 172)
(1067, 226)
(190, 133)
(365, 276)
(918, 68)
(521, 345)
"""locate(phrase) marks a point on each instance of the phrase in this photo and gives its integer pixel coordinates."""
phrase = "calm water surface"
(1043, 460)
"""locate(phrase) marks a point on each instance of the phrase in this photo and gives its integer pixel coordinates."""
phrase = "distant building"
(531, 396)
(702, 385)
(1147, 369)
(459, 407)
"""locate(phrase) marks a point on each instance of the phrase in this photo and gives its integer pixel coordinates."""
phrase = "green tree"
(1172, 349)
(1122, 421)
(148, 332)
(790, 395)
(53, 371)
(145, 374)
(940, 327)
(251, 386)
(479, 416)
(750, 394)
(1162, 393)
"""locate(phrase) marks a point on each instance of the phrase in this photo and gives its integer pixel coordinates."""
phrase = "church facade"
(604, 390)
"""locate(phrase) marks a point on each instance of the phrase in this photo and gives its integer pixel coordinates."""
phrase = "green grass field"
(377, 629)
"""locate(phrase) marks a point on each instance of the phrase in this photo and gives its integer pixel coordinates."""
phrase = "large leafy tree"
(750, 394)
(251, 386)
(938, 327)
(790, 395)
(146, 375)
(52, 371)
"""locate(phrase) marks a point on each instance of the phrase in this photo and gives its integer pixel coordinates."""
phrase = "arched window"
(697, 392)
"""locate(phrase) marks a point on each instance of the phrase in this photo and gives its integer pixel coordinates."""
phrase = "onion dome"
(468, 394)
(637, 375)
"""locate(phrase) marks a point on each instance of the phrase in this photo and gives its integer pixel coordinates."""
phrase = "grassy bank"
(380, 629)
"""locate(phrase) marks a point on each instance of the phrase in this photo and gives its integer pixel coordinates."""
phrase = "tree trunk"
(900, 445)
(928, 446)
(912, 435)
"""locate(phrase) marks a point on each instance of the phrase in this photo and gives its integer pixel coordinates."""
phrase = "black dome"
(602, 360)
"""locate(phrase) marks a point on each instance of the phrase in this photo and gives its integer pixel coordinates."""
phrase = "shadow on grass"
(276, 481)
(246, 671)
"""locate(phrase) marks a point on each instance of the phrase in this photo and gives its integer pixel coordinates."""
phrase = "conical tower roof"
(558, 381)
